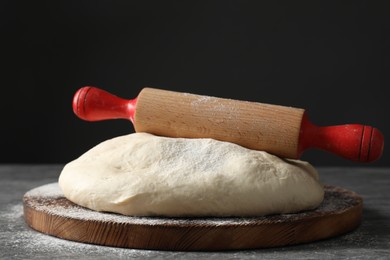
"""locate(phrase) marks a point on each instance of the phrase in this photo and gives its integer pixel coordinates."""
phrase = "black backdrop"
(331, 58)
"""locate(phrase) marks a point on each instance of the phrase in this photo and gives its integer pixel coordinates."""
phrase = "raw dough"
(145, 175)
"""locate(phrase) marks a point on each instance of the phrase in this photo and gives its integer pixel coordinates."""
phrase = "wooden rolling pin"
(283, 131)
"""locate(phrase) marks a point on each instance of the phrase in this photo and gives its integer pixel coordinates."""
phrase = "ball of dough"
(146, 175)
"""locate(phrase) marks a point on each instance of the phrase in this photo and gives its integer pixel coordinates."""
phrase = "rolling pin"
(280, 130)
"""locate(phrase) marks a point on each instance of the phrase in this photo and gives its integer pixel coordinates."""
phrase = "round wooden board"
(48, 211)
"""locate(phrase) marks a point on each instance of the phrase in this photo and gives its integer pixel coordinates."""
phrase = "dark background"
(331, 58)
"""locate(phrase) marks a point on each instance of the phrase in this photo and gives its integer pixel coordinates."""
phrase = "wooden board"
(48, 211)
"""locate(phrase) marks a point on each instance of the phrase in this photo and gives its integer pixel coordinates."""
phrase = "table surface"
(370, 240)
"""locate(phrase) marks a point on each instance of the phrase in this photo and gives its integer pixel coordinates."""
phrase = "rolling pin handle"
(93, 104)
(355, 142)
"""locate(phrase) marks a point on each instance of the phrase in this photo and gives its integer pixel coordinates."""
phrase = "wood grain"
(339, 213)
(253, 125)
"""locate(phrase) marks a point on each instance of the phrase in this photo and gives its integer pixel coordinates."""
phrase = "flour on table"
(146, 175)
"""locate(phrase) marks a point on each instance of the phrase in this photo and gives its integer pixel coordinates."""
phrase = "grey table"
(369, 241)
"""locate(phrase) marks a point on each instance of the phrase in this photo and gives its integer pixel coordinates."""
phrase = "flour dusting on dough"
(145, 175)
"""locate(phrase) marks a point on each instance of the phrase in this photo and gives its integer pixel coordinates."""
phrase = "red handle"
(93, 104)
(354, 142)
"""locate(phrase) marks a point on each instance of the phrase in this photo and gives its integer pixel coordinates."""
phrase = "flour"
(146, 175)
(335, 200)
(31, 244)
(217, 108)
(35, 245)
(47, 193)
